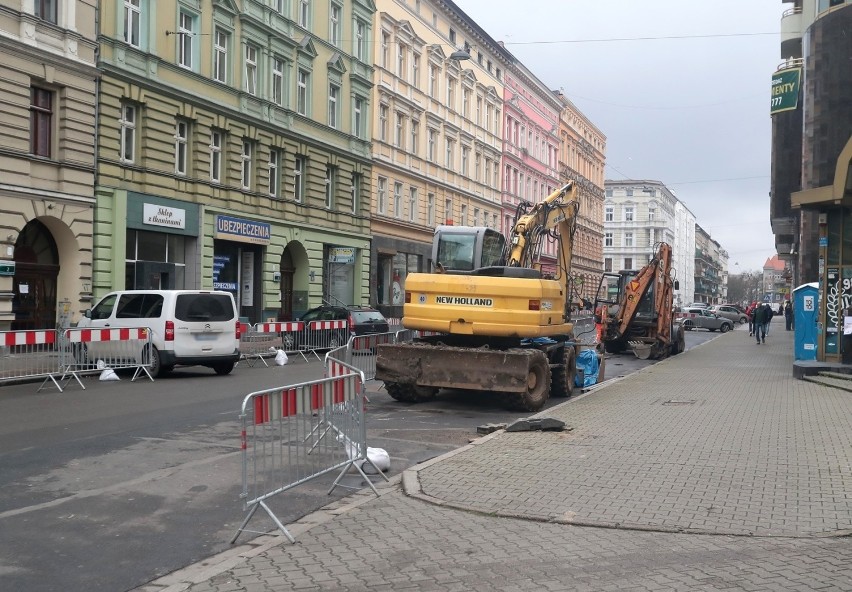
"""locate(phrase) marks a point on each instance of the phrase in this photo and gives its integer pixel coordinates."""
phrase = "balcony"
(792, 26)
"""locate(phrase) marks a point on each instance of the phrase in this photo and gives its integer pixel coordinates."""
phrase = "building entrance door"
(34, 284)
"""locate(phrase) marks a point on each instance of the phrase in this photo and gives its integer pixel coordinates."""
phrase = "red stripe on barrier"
(258, 410)
(291, 400)
(339, 391)
(316, 397)
(50, 337)
(86, 335)
(124, 334)
(243, 440)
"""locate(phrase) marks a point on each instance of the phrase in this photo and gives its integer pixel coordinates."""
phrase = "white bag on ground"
(281, 358)
(106, 373)
(378, 456)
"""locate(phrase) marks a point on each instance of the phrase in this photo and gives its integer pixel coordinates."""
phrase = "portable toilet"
(805, 320)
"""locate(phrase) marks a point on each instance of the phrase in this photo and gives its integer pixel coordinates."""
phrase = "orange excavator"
(634, 309)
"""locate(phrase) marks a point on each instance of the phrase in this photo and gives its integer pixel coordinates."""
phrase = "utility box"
(806, 321)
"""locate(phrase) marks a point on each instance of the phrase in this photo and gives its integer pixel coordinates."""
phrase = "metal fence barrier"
(323, 336)
(26, 355)
(360, 352)
(262, 340)
(87, 351)
(292, 434)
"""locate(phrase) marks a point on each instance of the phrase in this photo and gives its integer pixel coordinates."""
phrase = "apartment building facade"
(683, 254)
(582, 157)
(233, 151)
(48, 82)
(530, 152)
(437, 136)
(711, 264)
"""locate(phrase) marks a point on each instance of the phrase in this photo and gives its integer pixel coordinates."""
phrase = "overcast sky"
(692, 113)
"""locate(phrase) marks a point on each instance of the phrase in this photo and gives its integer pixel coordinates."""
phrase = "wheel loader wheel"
(562, 378)
(678, 340)
(537, 388)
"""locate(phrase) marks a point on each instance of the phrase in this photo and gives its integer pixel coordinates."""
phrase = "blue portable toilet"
(805, 319)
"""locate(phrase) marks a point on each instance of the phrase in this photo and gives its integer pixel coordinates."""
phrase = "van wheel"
(223, 368)
(156, 368)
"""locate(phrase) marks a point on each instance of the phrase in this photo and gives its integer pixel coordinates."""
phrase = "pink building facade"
(530, 148)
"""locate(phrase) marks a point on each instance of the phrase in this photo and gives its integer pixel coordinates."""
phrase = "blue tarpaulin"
(587, 361)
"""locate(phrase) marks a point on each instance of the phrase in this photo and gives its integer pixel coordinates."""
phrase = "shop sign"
(244, 231)
(163, 216)
(341, 255)
(219, 262)
(785, 90)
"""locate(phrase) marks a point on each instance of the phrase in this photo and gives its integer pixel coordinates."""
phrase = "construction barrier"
(27, 355)
(323, 336)
(293, 434)
(360, 352)
(87, 351)
(262, 340)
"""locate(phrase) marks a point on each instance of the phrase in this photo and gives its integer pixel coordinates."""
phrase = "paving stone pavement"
(714, 470)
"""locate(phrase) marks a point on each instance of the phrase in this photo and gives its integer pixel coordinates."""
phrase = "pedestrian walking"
(759, 323)
(750, 314)
(767, 319)
(788, 315)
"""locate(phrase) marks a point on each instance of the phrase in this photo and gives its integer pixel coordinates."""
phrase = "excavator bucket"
(442, 366)
(641, 350)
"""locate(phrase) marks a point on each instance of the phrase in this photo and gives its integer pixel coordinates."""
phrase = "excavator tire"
(562, 378)
(678, 340)
(410, 393)
(537, 389)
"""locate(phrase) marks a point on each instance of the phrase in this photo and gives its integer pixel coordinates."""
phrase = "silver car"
(730, 312)
(701, 318)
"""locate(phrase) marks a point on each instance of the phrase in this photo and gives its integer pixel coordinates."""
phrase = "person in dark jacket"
(759, 320)
(788, 315)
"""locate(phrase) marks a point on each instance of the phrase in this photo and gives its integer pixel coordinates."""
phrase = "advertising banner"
(785, 90)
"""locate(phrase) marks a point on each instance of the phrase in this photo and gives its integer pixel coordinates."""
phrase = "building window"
(402, 53)
(356, 192)
(415, 136)
(628, 214)
(181, 146)
(385, 49)
(280, 5)
(46, 10)
(651, 213)
(488, 171)
(274, 160)
(302, 82)
(333, 95)
(246, 157)
(360, 40)
(251, 70)
(628, 263)
(430, 209)
(329, 186)
(278, 81)
(609, 214)
(382, 195)
(464, 215)
(132, 21)
(478, 110)
(476, 217)
(465, 103)
(477, 167)
(304, 15)
(186, 40)
(127, 133)
(453, 36)
(608, 264)
(334, 24)
(412, 204)
(450, 156)
(397, 199)
(383, 123)
(448, 211)
(220, 55)
(358, 117)
(41, 121)
(628, 241)
(430, 148)
(465, 156)
(216, 156)
(415, 70)
(608, 239)
(399, 140)
(433, 81)
(451, 93)
(299, 178)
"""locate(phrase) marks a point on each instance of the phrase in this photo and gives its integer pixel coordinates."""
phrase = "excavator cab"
(467, 248)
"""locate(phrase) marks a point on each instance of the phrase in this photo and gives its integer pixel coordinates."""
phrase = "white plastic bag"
(378, 456)
(109, 374)
(281, 358)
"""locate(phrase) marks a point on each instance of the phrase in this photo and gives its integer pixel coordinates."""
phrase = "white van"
(189, 327)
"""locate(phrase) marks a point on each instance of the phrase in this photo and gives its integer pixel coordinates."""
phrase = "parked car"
(360, 320)
(702, 318)
(697, 305)
(731, 312)
(188, 327)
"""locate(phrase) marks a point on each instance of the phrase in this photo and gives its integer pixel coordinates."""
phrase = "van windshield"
(204, 308)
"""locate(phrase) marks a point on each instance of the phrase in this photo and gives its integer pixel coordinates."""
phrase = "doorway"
(34, 284)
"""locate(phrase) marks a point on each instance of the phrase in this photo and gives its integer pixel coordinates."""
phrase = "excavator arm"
(655, 272)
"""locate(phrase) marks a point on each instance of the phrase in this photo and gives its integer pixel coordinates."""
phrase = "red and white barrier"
(92, 350)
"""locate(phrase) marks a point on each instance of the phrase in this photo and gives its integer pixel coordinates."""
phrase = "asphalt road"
(110, 487)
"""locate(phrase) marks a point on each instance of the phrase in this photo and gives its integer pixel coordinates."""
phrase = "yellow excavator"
(490, 318)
